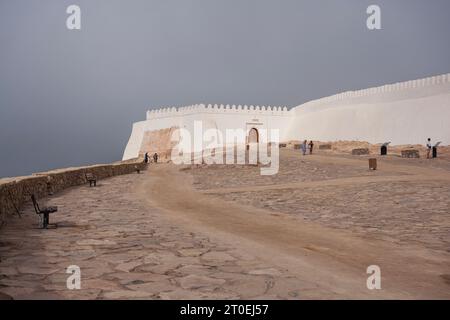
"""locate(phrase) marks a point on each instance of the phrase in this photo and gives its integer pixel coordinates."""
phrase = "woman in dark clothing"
(311, 145)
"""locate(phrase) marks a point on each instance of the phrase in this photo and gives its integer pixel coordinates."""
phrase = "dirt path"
(334, 260)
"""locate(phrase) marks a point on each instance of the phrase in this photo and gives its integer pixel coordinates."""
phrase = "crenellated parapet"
(395, 87)
(216, 109)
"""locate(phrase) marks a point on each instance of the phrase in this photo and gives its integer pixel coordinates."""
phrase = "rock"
(126, 278)
(36, 270)
(4, 296)
(217, 256)
(99, 284)
(325, 147)
(162, 268)
(247, 286)
(193, 269)
(128, 266)
(95, 242)
(410, 153)
(8, 271)
(269, 272)
(181, 294)
(191, 252)
(195, 282)
(15, 292)
(127, 294)
(360, 151)
(152, 287)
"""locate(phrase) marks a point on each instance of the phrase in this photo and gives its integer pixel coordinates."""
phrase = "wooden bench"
(43, 212)
(91, 179)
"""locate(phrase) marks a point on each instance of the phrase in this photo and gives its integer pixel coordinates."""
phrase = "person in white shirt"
(429, 146)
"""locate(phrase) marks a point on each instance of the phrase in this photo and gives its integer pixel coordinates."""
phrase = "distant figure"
(155, 158)
(303, 147)
(311, 145)
(146, 157)
(429, 146)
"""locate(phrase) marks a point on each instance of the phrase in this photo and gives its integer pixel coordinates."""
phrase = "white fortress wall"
(220, 117)
(403, 113)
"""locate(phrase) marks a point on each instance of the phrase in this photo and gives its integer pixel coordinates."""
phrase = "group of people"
(305, 145)
(155, 158)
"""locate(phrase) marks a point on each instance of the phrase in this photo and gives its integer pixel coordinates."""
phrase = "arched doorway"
(253, 136)
(252, 146)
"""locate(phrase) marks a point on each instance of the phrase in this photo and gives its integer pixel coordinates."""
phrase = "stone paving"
(292, 168)
(403, 212)
(127, 250)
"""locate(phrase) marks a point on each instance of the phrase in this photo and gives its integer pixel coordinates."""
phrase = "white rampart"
(395, 87)
(220, 117)
(404, 113)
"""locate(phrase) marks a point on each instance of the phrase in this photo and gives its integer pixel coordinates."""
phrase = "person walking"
(146, 157)
(303, 147)
(155, 158)
(311, 145)
(429, 146)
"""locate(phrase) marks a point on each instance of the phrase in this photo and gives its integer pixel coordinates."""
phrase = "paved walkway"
(153, 236)
(128, 249)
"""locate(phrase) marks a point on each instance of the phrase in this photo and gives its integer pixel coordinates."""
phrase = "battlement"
(395, 87)
(216, 109)
(165, 112)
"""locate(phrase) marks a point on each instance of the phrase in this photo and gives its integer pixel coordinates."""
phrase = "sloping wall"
(403, 113)
(157, 141)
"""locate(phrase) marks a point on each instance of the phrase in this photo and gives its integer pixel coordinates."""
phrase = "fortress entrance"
(252, 142)
(253, 136)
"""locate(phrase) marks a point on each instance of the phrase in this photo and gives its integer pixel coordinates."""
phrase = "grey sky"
(70, 97)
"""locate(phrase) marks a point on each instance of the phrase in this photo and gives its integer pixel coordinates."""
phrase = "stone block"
(360, 151)
(410, 153)
(325, 147)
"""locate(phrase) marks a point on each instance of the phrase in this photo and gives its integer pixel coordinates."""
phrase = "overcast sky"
(70, 97)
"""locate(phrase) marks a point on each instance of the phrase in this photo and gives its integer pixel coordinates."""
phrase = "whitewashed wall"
(403, 113)
(221, 117)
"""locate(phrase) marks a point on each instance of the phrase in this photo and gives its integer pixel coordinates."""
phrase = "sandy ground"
(227, 232)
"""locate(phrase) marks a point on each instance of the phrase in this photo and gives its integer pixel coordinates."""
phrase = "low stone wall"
(15, 192)
(360, 151)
